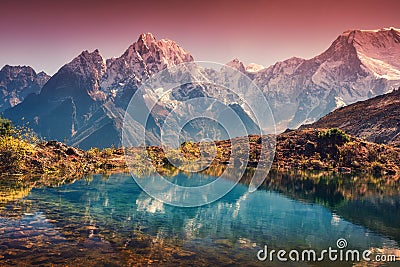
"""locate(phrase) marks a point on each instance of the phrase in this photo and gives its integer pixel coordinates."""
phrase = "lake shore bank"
(309, 149)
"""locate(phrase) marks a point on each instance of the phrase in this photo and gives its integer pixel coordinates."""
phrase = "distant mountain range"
(85, 101)
(17, 82)
(377, 119)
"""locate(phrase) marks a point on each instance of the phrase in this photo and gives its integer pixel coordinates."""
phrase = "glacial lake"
(110, 221)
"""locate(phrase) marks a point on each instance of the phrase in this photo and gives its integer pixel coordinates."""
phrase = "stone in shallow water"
(87, 228)
(68, 253)
(138, 243)
(184, 254)
(11, 253)
(40, 260)
(224, 242)
(18, 244)
(31, 233)
(69, 234)
(19, 234)
(9, 229)
(50, 233)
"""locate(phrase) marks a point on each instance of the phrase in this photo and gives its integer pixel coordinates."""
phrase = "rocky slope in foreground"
(375, 120)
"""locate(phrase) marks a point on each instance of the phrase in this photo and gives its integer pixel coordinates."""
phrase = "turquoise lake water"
(110, 221)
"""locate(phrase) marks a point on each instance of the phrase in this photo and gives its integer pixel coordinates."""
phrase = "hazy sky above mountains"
(47, 34)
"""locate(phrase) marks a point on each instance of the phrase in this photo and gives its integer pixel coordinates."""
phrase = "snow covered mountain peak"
(163, 52)
(358, 65)
(388, 29)
(145, 42)
(253, 67)
(365, 52)
(14, 70)
(248, 69)
(78, 78)
(378, 50)
(378, 38)
(142, 59)
(146, 38)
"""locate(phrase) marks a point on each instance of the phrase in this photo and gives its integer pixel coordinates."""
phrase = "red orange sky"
(46, 34)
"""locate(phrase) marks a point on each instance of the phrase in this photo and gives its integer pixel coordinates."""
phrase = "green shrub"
(329, 142)
(93, 152)
(107, 152)
(377, 168)
(13, 152)
(334, 136)
(6, 127)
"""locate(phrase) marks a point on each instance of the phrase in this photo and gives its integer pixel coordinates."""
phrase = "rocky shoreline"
(308, 149)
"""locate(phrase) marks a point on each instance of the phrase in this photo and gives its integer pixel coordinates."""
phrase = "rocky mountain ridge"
(84, 102)
(17, 82)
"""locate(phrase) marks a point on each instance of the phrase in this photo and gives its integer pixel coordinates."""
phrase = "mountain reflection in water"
(111, 220)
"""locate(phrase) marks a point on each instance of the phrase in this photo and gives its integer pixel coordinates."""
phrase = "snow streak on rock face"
(253, 67)
(378, 51)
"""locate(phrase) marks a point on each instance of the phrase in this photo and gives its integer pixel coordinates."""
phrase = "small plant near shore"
(190, 150)
(93, 152)
(377, 168)
(107, 151)
(13, 151)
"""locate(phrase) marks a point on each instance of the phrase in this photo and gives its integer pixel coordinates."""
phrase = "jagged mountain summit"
(84, 102)
(17, 82)
(142, 59)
